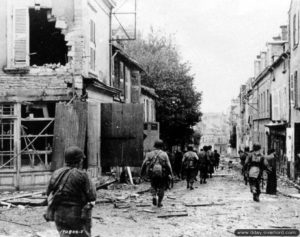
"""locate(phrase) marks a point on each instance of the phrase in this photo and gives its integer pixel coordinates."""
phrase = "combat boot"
(160, 202)
(154, 201)
(255, 197)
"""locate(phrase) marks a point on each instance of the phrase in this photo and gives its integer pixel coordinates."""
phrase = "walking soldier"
(211, 161)
(203, 164)
(255, 164)
(73, 196)
(190, 166)
(159, 169)
(243, 157)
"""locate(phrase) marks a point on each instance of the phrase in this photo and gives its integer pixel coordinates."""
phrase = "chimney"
(256, 67)
(284, 32)
(277, 38)
(263, 58)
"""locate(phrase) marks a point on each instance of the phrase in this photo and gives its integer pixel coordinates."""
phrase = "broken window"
(7, 132)
(37, 135)
(47, 43)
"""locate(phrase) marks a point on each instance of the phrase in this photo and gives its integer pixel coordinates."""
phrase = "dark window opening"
(37, 135)
(145, 126)
(37, 110)
(119, 77)
(154, 126)
(47, 43)
(6, 109)
(36, 147)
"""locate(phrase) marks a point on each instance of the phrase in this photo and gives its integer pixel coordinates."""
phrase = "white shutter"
(21, 37)
(292, 89)
(275, 108)
(296, 89)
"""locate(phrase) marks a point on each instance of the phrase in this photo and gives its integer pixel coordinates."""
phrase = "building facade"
(57, 73)
(266, 101)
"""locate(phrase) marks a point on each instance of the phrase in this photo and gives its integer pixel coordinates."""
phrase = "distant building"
(214, 130)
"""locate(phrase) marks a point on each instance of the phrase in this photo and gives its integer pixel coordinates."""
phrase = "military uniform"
(190, 165)
(77, 191)
(243, 158)
(255, 164)
(203, 166)
(158, 184)
(211, 162)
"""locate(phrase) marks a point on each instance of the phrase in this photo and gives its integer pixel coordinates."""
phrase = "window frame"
(14, 119)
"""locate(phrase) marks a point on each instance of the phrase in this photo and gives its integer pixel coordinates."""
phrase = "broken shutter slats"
(69, 130)
(21, 36)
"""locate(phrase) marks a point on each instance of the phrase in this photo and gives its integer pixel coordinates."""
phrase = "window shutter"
(297, 36)
(274, 105)
(21, 37)
(297, 87)
(292, 88)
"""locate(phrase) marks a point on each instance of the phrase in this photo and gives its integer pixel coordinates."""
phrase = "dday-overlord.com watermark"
(266, 232)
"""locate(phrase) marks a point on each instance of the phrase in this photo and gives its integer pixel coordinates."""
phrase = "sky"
(220, 39)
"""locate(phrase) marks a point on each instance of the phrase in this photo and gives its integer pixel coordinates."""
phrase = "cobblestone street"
(229, 206)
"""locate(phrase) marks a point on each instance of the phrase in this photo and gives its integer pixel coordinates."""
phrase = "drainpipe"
(110, 48)
(290, 109)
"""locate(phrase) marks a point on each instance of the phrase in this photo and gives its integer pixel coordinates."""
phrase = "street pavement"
(229, 206)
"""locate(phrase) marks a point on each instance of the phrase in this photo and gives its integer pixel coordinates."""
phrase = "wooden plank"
(173, 215)
(143, 205)
(7, 204)
(14, 222)
(129, 174)
(104, 186)
(69, 130)
(93, 134)
(118, 206)
(21, 196)
(144, 191)
(149, 211)
(204, 204)
(29, 202)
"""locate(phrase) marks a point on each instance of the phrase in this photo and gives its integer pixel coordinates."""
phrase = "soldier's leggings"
(158, 186)
(190, 176)
(254, 185)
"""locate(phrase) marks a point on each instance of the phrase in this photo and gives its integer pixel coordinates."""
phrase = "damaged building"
(62, 83)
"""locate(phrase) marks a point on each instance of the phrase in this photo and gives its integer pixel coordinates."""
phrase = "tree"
(178, 105)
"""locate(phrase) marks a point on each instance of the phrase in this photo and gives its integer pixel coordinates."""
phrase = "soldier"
(74, 196)
(216, 159)
(190, 165)
(210, 161)
(203, 165)
(244, 170)
(243, 157)
(159, 169)
(177, 166)
(272, 180)
(255, 164)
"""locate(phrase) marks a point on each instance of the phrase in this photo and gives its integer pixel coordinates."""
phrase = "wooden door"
(70, 128)
(122, 134)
